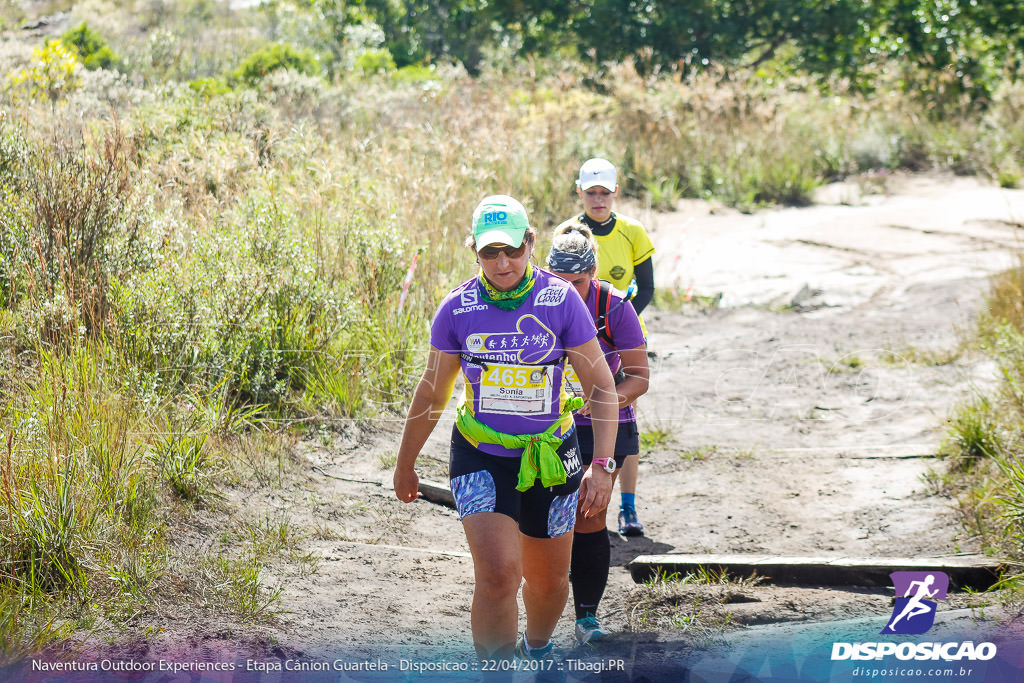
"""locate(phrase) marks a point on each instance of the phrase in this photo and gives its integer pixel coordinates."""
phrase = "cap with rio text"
(499, 219)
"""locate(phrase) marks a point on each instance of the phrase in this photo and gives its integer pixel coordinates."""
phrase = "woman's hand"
(428, 402)
(595, 490)
(407, 484)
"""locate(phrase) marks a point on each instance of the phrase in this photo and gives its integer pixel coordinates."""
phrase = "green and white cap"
(499, 219)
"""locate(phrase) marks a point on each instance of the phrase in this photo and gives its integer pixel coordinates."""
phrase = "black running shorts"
(627, 442)
(482, 482)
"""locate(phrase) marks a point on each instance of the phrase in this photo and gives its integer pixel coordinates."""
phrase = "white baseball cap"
(597, 171)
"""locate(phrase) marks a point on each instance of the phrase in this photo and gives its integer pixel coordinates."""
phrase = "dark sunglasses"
(491, 253)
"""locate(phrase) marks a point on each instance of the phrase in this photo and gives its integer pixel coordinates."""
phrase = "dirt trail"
(797, 421)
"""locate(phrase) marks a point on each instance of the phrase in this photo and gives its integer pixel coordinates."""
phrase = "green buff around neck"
(540, 457)
(507, 301)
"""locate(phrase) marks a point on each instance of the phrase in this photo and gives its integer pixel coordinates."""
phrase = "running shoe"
(538, 663)
(588, 629)
(523, 654)
(629, 525)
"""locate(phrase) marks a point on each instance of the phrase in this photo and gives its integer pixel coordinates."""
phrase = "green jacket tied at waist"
(540, 457)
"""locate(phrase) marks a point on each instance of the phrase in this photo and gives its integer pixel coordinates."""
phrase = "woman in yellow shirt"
(625, 256)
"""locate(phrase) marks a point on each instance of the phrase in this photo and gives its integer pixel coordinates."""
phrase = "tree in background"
(966, 45)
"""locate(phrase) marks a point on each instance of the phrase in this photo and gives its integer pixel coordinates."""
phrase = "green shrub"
(184, 461)
(45, 533)
(375, 60)
(1011, 498)
(209, 87)
(663, 193)
(251, 307)
(416, 73)
(52, 74)
(274, 57)
(986, 436)
(973, 431)
(90, 48)
(14, 152)
(74, 226)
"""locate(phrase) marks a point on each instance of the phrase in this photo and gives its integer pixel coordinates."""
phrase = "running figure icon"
(918, 592)
(915, 606)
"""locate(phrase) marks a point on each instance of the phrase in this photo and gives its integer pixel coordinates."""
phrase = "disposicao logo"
(916, 593)
(914, 614)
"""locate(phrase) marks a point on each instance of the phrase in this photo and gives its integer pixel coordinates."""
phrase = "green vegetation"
(662, 194)
(670, 601)
(848, 363)
(278, 56)
(206, 216)
(912, 355)
(674, 297)
(700, 452)
(984, 438)
(655, 438)
(963, 46)
(89, 47)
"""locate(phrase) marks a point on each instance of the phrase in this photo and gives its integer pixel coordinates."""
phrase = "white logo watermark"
(948, 652)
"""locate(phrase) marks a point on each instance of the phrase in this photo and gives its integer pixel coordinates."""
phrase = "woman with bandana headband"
(626, 253)
(622, 341)
(514, 464)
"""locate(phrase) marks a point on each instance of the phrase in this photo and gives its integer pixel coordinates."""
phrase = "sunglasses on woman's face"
(491, 253)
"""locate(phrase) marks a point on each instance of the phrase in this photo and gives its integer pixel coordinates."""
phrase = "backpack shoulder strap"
(604, 299)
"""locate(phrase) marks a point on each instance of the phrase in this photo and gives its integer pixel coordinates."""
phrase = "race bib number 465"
(515, 389)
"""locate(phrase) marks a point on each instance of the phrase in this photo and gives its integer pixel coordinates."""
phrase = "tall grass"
(80, 508)
(72, 224)
(1005, 302)
(985, 435)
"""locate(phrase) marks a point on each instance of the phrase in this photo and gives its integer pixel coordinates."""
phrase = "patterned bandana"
(511, 300)
(566, 262)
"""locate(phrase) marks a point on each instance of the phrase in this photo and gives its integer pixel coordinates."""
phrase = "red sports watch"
(608, 464)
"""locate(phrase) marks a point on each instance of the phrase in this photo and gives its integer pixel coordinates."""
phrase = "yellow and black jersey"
(624, 246)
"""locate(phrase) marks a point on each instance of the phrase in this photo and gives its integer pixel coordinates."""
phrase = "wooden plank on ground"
(964, 571)
(437, 493)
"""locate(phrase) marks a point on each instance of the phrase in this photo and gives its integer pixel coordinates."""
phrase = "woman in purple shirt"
(510, 331)
(573, 257)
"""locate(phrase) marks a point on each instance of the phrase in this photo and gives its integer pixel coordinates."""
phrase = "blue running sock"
(628, 501)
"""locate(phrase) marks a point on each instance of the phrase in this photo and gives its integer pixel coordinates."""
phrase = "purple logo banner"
(916, 595)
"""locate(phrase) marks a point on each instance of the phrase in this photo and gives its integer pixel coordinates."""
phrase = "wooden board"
(437, 493)
(964, 571)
